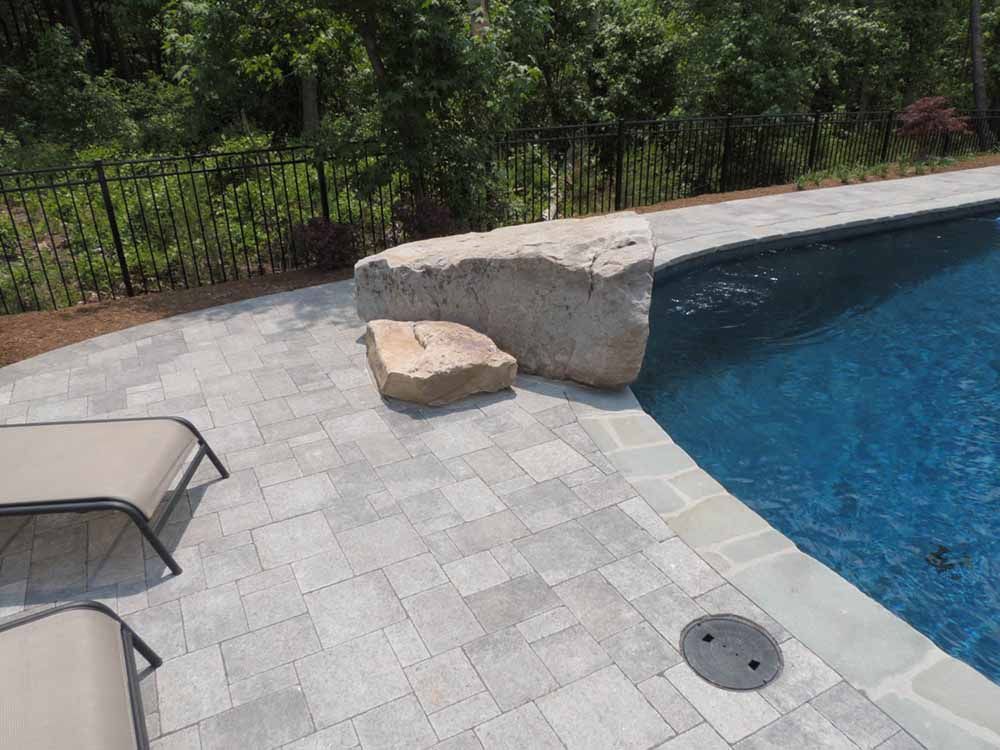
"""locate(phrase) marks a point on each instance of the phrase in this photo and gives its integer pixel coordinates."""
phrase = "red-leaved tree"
(930, 117)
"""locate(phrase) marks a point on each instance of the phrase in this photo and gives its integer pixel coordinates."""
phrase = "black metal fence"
(103, 230)
(94, 231)
(576, 170)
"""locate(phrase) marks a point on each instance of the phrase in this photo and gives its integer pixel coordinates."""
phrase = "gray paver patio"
(387, 576)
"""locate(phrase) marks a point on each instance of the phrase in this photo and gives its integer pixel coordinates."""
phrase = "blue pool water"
(850, 393)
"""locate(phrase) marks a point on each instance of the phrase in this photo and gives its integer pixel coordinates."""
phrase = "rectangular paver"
(351, 678)
(603, 710)
(734, 715)
(399, 724)
(684, 567)
(804, 727)
(521, 728)
(443, 680)
(294, 539)
(563, 552)
(270, 647)
(570, 654)
(512, 602)
(354, 607)
(597, 605)
(267, 722)
(191, 687)
(475, 573)
(856, 716)
(380, 543)
(464, 715)
(484, 533)
(212, 616)
(546, 504)
(511, 670)
(549, 460)
(442, 618)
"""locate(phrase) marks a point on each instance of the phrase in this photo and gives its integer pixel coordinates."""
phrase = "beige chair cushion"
(133, 461)
(64, 684)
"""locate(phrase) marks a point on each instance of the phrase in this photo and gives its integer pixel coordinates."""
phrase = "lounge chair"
(69, 680)
(115, 464)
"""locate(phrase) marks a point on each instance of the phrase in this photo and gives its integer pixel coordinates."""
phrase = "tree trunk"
(979, 74)
(72, 19)
(479, 16)
(310, 104)
(410, 124)
(366, 30)
(122, 59)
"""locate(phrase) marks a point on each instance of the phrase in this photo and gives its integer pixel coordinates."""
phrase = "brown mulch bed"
(27, 334)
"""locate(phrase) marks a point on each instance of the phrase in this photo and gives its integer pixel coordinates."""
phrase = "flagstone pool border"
(940, 700)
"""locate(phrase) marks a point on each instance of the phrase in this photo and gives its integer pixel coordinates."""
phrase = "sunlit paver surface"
(383, 576)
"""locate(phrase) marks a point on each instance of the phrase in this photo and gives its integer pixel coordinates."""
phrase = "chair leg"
(147, 652)
(219, 466)
(158, 546)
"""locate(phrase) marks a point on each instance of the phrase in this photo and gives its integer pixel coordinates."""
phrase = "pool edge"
(896, 666)
(679, 255)
(939, 699)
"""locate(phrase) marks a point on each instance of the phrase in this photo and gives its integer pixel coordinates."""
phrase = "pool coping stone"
(939, 699)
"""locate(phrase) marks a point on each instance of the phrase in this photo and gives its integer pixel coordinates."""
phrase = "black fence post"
(619, 161)
(814, 141)
(727, 148)
(887, 136)
(116, 236)
(324, 195)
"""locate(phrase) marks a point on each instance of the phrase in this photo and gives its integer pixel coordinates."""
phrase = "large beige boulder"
(569, 299)
(435, 362)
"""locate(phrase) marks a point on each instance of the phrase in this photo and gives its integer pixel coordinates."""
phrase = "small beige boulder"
(435, 362)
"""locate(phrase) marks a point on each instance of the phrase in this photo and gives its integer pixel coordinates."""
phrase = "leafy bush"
(931, 116)
(927, 119)
(424, 218)
(326, 244)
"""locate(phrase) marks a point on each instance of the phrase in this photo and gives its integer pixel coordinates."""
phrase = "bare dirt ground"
(28, 334)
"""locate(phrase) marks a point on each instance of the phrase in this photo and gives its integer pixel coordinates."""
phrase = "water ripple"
(850, 393)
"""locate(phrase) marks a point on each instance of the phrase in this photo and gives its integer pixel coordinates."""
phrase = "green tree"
(589, 59)
(56, 106)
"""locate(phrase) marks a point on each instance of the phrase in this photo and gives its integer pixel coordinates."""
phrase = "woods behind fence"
(95, 231)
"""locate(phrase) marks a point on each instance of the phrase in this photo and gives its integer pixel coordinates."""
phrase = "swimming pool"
(849, 392)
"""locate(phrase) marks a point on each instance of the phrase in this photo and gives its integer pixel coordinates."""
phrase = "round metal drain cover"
(731, 652)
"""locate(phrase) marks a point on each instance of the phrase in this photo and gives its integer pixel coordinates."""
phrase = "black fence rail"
(103, 230)
(88, 232)
(570, 171)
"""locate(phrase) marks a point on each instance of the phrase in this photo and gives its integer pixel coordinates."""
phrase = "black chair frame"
(88, 504)
(130, 642)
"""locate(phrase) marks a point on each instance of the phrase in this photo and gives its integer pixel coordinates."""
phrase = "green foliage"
(140, 76)
(863, 172)
(183, 224)
(52, 95)
(432, 82)
(589, 60)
